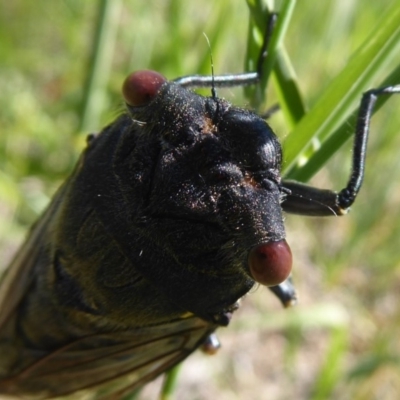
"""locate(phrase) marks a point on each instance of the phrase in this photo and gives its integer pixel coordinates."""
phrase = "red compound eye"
(270, 263)
(141, 87)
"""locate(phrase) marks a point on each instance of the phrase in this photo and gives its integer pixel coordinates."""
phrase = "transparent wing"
(102, 364)
(18, 276)
(110, 363)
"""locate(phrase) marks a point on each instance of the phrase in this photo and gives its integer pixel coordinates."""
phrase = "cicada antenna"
(213, 91)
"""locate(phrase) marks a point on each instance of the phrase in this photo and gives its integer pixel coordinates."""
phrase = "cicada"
(172, 214)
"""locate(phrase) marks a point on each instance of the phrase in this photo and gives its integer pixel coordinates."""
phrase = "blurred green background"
(342, 341)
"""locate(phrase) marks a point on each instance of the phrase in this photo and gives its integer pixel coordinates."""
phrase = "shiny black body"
(175, 194)
(153, 227)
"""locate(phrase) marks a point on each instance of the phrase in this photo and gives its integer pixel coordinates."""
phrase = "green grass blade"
(339, 99)
(331, 369)
(99, 65)
(259, 16)
(336, 140)
(170, 380)
(290, 98)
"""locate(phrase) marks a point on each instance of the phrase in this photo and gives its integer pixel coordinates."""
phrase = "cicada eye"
(270, 263)
(141, 87)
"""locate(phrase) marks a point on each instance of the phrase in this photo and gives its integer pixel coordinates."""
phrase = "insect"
(172, 214)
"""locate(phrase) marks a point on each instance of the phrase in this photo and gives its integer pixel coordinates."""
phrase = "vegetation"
(61, 68)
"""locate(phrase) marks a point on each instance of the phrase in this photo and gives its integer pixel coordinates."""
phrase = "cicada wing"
(106, 364)
(19, 274)
(110, 363)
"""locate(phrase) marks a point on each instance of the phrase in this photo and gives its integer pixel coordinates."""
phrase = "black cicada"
(172, 214)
